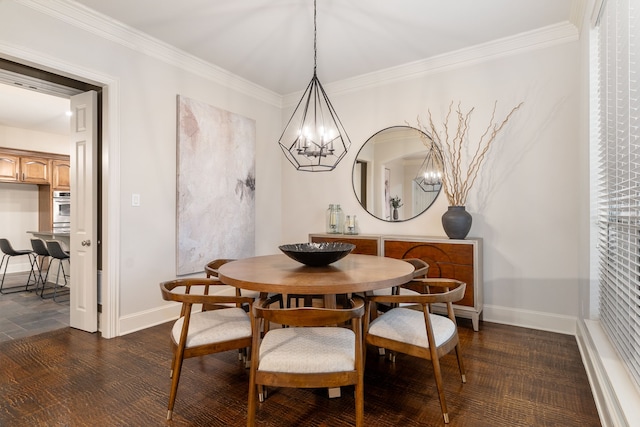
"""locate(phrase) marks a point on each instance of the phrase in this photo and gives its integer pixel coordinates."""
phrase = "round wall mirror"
(396, 174)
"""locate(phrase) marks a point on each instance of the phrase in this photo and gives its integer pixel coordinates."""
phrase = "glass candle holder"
(350, 226)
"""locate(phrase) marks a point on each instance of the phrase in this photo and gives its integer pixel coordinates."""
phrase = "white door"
(84, 208)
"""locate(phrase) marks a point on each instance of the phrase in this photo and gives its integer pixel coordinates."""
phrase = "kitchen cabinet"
(23, 167)
(9, 167)
(49, 171)
(60, 175)
(447, 258)
(35, 170)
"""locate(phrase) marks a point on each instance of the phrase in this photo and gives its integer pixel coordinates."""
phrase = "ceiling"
(270, 42)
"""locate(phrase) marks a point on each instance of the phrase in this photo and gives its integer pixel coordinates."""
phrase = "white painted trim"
(514, 45)
(103, 26)
(107, 28)
(530, 319)
(110, 170)
(148, 318)
(616, 395)
(576, 16)
(110, 143)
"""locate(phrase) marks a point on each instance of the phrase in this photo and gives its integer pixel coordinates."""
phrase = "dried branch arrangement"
(459, 175)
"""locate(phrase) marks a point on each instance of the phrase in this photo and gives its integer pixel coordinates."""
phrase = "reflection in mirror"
(396, 173)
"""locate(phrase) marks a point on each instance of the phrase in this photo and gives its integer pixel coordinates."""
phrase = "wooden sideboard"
(449, 258)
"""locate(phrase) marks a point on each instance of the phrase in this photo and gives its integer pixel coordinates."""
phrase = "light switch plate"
(135, 200)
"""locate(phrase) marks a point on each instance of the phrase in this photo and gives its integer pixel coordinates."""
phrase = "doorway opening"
(30, 78)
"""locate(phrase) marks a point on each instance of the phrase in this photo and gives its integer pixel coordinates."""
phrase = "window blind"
(618, 133)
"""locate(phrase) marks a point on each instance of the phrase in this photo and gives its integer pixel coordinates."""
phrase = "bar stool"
(56, 252)
(9, 252)
(42, 255)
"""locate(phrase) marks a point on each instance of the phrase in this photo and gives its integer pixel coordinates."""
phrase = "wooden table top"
(281, 274)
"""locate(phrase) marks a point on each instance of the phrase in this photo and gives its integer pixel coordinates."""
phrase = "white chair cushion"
(308, 350)
(406, 325)
(214, 326)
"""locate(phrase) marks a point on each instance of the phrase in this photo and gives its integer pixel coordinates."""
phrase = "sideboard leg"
(475, 319)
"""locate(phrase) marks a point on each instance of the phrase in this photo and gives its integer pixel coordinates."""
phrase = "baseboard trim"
(616, 395)
(530, 319)
(148, 318)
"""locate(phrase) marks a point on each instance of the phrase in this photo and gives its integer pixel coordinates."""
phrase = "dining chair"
(8, 253)
(211, 270)
(312, 352)
(421, 268)
(420, 333)
(198, 333)
(55, 250)
(42, 256)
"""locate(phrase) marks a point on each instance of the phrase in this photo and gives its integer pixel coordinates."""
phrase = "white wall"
(18, 214)
(146, 134)
(27, 139)
(527, 201)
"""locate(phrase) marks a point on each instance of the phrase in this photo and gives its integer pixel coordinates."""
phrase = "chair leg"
(359, 405)
(13, 289)
(251, 407)
(460, 364)
(40, 280)
(440, 386)
(64, 276)
(175, 379)
(44, 285)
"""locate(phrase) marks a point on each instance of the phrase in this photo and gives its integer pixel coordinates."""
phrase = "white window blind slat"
(619, 177)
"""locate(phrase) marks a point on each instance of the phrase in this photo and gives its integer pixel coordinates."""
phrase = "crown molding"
(515, 45)
(576, 15)
(107, 28)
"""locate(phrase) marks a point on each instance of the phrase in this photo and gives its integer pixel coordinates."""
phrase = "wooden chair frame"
(432, 291)
(188, 300)
(303, 317)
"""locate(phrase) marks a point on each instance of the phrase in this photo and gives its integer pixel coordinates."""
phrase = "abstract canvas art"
(215, 185)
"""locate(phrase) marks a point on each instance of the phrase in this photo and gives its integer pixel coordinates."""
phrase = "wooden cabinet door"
(9, 167)
(60, 175)
(448, 260)
(35, 170)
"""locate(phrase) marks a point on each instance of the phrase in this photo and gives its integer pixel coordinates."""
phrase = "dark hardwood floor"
(515, 377)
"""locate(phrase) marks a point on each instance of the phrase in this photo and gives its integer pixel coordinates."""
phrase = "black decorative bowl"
(317, 254)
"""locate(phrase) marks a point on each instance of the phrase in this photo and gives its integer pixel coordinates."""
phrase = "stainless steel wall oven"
(61, 211)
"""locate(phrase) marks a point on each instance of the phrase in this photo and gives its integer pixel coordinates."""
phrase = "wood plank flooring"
(515, 377)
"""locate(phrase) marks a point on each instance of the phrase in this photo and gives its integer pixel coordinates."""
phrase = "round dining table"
(282, 275)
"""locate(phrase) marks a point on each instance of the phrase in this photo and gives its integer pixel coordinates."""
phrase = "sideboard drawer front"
(452, 261)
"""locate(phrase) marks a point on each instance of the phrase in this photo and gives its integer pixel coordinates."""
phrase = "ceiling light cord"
(315, 39)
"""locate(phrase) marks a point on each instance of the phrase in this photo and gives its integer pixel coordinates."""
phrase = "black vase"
(456, 222)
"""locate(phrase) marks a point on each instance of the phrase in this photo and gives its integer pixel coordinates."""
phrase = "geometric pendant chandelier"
(314, 139)
(429, 176)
